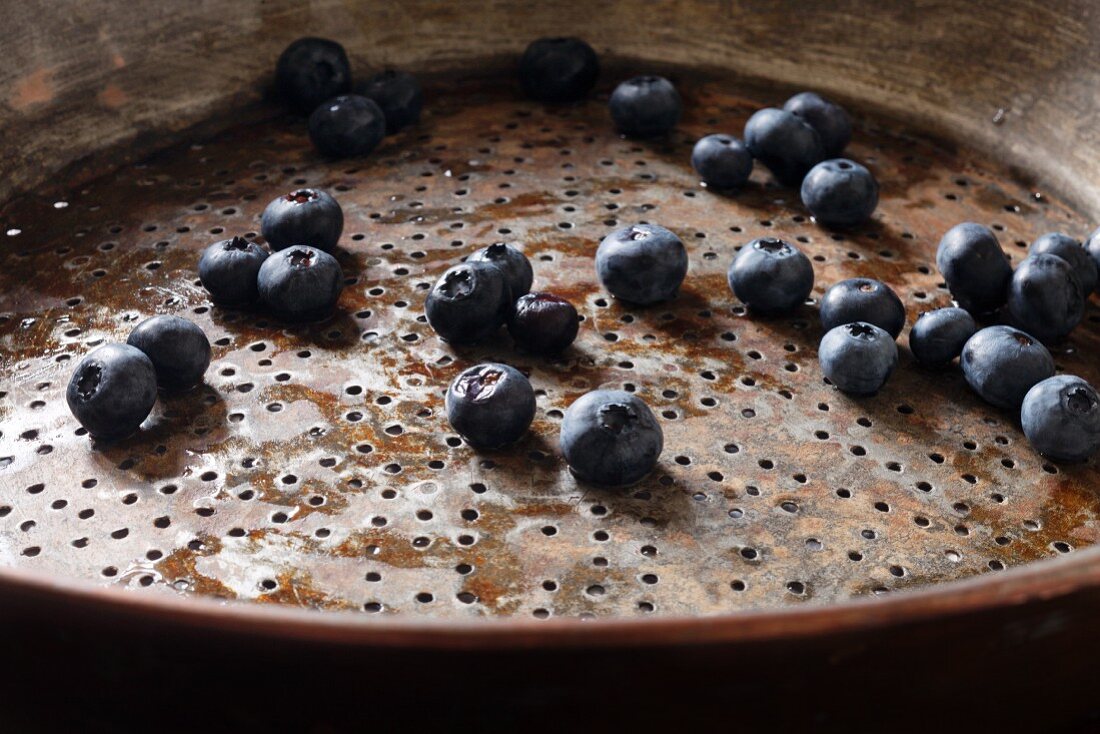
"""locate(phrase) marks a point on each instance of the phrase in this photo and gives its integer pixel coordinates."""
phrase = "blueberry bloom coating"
(1061, 418)
(645, 106)
(858, 358)
(112, 391)
(468, 303)
(178, 348)
(1001, 364)
(1073, 252)
(770, 275)
(301, 283)
(840, 193)
(1045, 298)
(722, 161)
(832, 123)
(228, 271)
(642, 264)
(975, 268)
(863, 299)
(512, 263)
(611, 438)
(939, 336)
(303, 217)
(490, 405)
(785, 143)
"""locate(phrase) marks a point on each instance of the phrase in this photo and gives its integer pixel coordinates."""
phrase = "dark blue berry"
(1092, 246)
(645, 107)
(863, 299)
(642, 264)
(1001, 364)
(301, 283)
(398, 94)
(1061, 418)
(304, 217)
(543, 323)
(785, 143)
(558, 69)
(840, 193)
(1045, 297)
(610, 438)
(831, 122)
(976, 270)
(346, 126)
(512, 263)
(112, 391)
(178, 349)
(722, 161)
(1070, 250)
(228, 270)
(938, 336)
(310, 71)
(858, 358)
(490, 405)
(468, 303)
(771, 276)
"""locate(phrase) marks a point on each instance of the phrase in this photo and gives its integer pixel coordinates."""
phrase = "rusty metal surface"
(316, 468)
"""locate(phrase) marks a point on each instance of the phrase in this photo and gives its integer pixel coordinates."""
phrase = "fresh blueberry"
(976, 270)
(1061, 418)
(1045, 297)
(346, 126)
(513, 263)
(722, 161)
(310, 71)
(490, 405)
(771, 276)
(178, 348)
(1001, 364)
(558, 69)
(642, 264)
(303, 217)
(938, 336)
(301, 283)
(862, 299)
(829, 120)
(840, 193)
(398, 94)
(1092, 245)
(469, 302)
(785, 143)
(1070, 250)
(543, 323)
(611, 438)
(858, 358)
(645, 106)
(112, 391)
(228, 270)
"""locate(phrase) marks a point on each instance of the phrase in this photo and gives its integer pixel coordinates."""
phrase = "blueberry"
(490, 405)
(831, 122)
(642, 264)
(1070, 250)
(771, 276)
(398, 94)
(558, 69)
(1061, 418)
(785, 143)
(301, 283)
(938, 336)
(858, 358)
(840, 193)
(1092, 246)
(862, 299)
(228, 270)
(112, 391)
(611, 438)
(645, 106)
(346, 126)
(1001, 364)
(468, 303)
(178, 349)
(976, 270)
(543, 323)
(303, 217)
(722, 161)
(310, 71)
(512, 263)
(1045, 297)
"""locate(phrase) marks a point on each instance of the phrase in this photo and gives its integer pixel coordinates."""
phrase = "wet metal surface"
(316, 467)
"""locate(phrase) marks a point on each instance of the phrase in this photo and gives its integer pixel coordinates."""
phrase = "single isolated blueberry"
(610, 438)
(785, 143)
(178, 349)
(303, 217)
(558, 69)
(722, 161)
(1001, 364)
(770, 275)
(468, 303)
(840, 193)
(939, 336)
(228, 271)
(858, 358)
(645, 106)
(862, 299)
(828, 118)
(975, 268)
(1045, 297)
(490, 405)
(1061, 418)
(301, 283)
(310, 71)
(543, 323)
(1092, 246)
(642, 264)
(346, 126)
(1070, 250)
(112, 391)
(512, 263)
(398, 94)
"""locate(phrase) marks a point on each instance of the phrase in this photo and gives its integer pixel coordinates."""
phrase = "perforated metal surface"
(316, 467)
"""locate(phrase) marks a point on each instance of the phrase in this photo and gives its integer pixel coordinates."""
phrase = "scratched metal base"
(316, 467)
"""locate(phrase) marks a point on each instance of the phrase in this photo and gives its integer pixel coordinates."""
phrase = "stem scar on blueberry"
(638, 234)
(1022, 339)
(89, 381)
(457, 284)
(301, 258)
(772, 245)
(1079, 401)
(860, 330)
(237, 243)
(479, 386)
(614, 417)
(301, 196)
(867, 286)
